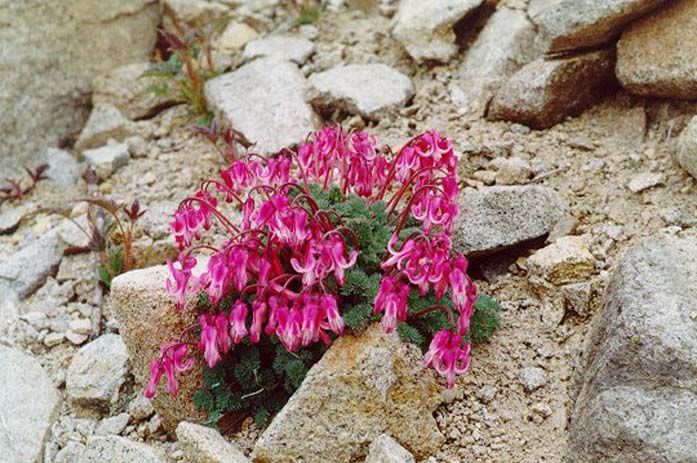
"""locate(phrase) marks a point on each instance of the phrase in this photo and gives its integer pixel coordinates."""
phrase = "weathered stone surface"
(425, 29)
(115, 449)
(686, 150)
(200, 13)
(97, 372)
(282, 47)
(144, 290)
(201, 444)
(51, 53)
(567, 260)
(364, 386)
(544, 92)
(638, 400)
(506, 43)
(235, 36)
(511, 171)
(657, 55)
(580, 24)
(29, 403)
(532, 378)
(265, 100)
(113, 425)
(494, 218)
(371, 90)
(11, 217)
(26, 270)
(63, 169)
(105, 122)
(108, 159)
(384, 449)
(124, 88)
(644, 181)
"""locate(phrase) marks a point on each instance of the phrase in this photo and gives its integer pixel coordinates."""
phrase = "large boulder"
(425, 28)
(266, 101)
(566, 25)
(506, 43)
(657, 55)
(638, 399)
(365, 385)
(51, 52)
(544, 92)
(28, 404)
(494, 218)
(142, 292)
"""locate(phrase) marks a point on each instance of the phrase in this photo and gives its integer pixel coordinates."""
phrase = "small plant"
(13, 191)
(186, 69)
(223, 138)
(333, 236)
(308, 14)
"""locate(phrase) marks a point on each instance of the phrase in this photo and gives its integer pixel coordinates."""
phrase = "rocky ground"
(548, 215)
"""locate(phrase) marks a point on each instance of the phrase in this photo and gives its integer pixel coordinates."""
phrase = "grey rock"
(105, 122)
(97, 372)
(677, 216)
(657, 55)
(566, 260)
(532, 378)
(644, 181)
(544, 92)
(201, 444)
(11, 217)
(371, 90)
(29, 403)
(494, 218)
(108, 159)
(125, 88)
(283, 47)
(541, 409)
(27, 269)
(113, 425)
(512, 171)
(70, 453)
(506, 43)
(140, 408)
(265, 100)
(384, 449)
(63, 169)
(365, 385)
(686, 149)
(638, 397)
(425, 29)
(235, 36)
(200, 13)
(52, 51)
(580, 24)
(77, 267)
(577, 297)
(115, 449)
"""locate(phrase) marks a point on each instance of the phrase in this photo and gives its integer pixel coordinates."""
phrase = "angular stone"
(365, 385)
(115, 449)
(235, 36)
(371, 90)
(686, 149)
(201, 444)
(105, 122)
(77, 267)
(266, 101)
(97, 372)
(108, 159)
(581, 24)
(532, 378)
(63, 169)
(199, 13)
(27, 269)
(567, 260)
(11, 217)
(425, 29)
(544, 92)
(144, 290)
(282, 47)
(638, 398)
(113, 425)
(51, 53)
(512, 171)
(506, 43)
(126, 89)
(384, 449)
(494, 218)
(28, 403)
(657, 55)
(71, 453)
(644, 181)
(577, 297)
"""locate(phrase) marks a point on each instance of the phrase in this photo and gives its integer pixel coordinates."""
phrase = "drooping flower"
(238, 317)
(334, 321)
(447, 356)
(258, 318)
(184, 283)
(391, 300)
(209, 340)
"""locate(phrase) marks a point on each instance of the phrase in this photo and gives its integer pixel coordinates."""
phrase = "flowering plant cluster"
(333, 235)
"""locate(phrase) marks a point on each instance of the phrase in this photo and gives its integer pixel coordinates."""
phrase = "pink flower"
(238, 258)
(221, 331)
(337, 252)
(391, 300)
(237, 178)
(238, 317)
(218, 277)
(258, 316)
(184, 284)
(310, 319)
(446, 356)
(463, 291)
(156, 370)
(185, 226)
(209, 340)
(289, 330)
(334, 320)
(172, 360)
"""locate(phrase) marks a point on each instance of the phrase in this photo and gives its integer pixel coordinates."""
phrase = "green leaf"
(261, 417)
(358, 316)
(485, 319)
(203, 400)
(409, 333)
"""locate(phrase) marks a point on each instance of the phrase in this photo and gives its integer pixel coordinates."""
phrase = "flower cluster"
(283, 264)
